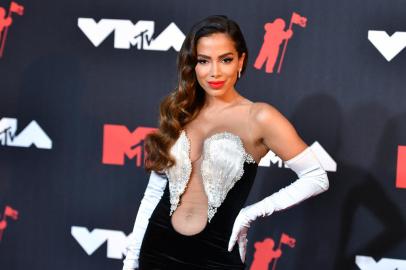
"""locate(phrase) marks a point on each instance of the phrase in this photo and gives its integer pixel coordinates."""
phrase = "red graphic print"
(401, 167)
(265, 253)
(119, 142)
(273, 38)
(6, 21)
(8, 212)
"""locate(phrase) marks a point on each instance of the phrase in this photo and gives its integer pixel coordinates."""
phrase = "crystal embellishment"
(222, 166)
(178, 174)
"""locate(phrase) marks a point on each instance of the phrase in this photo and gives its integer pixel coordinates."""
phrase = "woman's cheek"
(200, 76)
(200, 72)
(232, 73)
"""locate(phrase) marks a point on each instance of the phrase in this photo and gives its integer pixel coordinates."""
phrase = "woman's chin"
(215, 92)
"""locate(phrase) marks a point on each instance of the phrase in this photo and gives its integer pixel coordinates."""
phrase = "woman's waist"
(218, 229)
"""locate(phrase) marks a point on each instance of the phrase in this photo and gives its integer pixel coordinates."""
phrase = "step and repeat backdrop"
(80, 86)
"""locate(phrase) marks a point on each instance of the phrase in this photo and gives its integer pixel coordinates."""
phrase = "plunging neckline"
(216, 183)
(210, 138)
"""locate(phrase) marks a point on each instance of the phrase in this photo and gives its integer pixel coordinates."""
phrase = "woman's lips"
(216, 84)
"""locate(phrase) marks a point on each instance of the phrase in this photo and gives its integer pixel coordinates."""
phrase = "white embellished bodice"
(222, 166)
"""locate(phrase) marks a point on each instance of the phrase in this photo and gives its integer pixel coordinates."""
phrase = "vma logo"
(6, 21)
(119, 142)
(327, 162)
(265, 253)
(275, 34)
(8, 213)
(127, 34)
(368, 263)
(91, 241)
(31, 134)
(388, 46)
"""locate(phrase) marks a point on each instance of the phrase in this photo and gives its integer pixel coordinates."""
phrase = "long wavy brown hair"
(183, 104)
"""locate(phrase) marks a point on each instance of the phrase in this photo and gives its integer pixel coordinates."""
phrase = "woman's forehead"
(215, 44)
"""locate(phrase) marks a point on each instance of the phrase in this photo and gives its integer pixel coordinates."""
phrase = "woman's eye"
(201, 61)
(227, 60)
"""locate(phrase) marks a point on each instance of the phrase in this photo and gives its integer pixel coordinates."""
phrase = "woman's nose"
(215, 70)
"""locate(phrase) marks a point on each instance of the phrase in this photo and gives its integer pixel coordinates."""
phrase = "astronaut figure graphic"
(264, 254)
(4, 21)
(273, 38)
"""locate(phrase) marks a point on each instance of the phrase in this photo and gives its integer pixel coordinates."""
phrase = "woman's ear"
(241, 61)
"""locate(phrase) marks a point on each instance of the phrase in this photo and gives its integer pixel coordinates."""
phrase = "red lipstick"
(216, 84)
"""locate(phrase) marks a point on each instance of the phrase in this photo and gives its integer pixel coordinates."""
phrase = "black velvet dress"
(165, 248)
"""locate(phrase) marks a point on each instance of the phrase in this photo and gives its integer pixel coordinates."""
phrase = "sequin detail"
(222, 166)
(179, 174)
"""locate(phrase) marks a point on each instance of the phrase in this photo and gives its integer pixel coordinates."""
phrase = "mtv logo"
(127, 34)
(32, 134)
(327, 162)
(401, 167)
(91, 241)
(119, 142)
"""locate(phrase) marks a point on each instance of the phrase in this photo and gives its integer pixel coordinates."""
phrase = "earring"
(239, 73)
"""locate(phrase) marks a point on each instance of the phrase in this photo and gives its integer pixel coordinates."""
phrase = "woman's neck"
(230, 97)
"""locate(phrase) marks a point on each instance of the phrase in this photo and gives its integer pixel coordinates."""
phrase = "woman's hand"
(242, 223)
(239, 234)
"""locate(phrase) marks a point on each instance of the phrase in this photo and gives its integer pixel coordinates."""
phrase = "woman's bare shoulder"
(276, 131)
(262, 111)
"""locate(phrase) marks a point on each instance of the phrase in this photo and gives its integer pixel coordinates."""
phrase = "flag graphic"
(10, 212)
(19, 9)
(286, 239)
(297, 19)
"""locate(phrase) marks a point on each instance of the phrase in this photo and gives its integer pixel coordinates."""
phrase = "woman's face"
(217, 64)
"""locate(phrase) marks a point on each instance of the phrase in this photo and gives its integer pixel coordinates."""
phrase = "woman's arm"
(152, 196)
(279, 135)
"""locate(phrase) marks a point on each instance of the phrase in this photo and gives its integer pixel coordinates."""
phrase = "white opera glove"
(152, 195)
(312, 181)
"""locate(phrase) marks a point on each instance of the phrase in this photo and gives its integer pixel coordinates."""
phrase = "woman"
(204, 158)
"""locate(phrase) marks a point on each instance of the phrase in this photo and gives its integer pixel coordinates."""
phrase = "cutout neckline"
(211, 137)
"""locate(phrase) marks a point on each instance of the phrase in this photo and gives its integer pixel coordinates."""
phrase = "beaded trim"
(213, 178)
(179, 174)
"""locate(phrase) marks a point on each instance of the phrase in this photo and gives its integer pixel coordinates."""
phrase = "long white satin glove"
(152, 196)
(312, 181)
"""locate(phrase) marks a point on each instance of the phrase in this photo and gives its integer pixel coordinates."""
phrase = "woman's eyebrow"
(208, 57)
